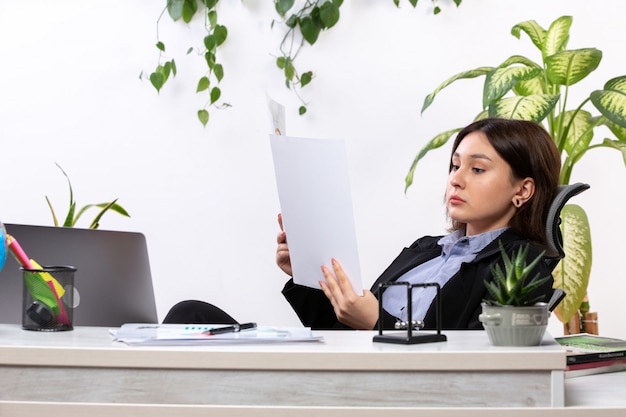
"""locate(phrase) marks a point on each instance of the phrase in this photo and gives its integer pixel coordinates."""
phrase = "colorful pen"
(18, 252)
(21, 257)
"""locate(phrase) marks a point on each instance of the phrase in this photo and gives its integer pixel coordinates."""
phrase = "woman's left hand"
(358, 312)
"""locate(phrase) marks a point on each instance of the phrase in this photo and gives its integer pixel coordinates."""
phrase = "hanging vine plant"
(304, 23)
(215, 36)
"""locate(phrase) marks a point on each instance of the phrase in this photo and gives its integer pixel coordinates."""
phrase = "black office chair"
(554, 245)
(197, 312)
(554, 238)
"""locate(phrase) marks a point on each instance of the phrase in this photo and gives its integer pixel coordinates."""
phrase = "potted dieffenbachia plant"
(513, 314)
(541, 89)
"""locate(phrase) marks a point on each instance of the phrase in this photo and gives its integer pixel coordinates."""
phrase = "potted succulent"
(539, 90)
(513, 315)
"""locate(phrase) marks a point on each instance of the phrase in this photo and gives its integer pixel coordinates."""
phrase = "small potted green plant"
(513, 315)
(73, 215)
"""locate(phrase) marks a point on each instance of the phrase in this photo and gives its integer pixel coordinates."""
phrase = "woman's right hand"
(282, 250)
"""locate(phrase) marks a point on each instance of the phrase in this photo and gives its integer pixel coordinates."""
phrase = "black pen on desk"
(235, 328)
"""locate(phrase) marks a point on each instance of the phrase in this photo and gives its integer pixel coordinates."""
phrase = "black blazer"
(461, 296)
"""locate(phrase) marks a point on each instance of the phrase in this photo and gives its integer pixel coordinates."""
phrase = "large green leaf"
(579, 131)
(575, 140)
(536, 33)
(476, 72)
(611, 101)
(557, 36)
(500, 81)
(436, 142)
(572, 273)
(569, 67)
(534, 108)
(529, 87)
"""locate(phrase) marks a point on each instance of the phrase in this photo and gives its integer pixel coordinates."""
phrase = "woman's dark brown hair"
(530, 152)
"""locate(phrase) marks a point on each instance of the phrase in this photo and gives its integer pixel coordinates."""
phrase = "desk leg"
(558, 388)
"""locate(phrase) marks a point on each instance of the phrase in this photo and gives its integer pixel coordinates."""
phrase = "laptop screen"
(113, 278)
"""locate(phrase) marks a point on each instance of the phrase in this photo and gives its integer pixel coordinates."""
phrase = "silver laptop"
(113, 273)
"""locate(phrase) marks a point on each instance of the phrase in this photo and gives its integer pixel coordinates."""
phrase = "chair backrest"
(554, 245)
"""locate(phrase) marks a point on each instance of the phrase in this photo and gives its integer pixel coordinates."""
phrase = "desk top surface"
(348, 350)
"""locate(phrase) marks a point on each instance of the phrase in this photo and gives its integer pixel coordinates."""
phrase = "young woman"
(503, 175)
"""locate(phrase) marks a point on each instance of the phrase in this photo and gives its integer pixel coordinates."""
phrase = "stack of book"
(589, 354)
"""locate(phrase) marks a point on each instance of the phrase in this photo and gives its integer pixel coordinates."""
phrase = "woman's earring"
(517, 203)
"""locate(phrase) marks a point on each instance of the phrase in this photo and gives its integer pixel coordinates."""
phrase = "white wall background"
(205, 197)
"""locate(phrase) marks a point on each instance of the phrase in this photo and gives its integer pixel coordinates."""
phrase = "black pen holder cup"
(48, 298)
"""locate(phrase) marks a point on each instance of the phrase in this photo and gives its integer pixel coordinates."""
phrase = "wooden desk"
(83, 372)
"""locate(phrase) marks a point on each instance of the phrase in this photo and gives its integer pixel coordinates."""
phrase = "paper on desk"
(146, 334)
(316, 205)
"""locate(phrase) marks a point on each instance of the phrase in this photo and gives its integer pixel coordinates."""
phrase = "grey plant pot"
(515, 326)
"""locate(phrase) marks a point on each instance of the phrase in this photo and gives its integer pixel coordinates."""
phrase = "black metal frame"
(410, 338)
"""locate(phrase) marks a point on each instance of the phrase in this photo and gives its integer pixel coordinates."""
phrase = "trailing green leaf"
(214, 37)
(437, 142)
(310, 31)
(477, 72)
(304, 24)
(203, 84)
(218, 70)
(203, 116)
(215, 94)
(220, 33)
(306, 78)
(283, 6)
(329, 14)
(157, 80)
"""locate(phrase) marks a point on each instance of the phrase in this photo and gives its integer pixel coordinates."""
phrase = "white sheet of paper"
(316, 205)
(277, 113)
